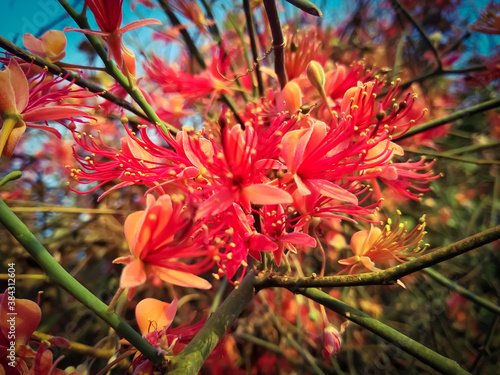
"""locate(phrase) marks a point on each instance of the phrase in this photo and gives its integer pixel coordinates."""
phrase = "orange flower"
(376, 245)
(22, 104)
(51, 45)
(158, 238)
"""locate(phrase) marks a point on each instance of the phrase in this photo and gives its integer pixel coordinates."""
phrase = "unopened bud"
(380, 115)
(316, 75)
(332, 341)
(305, 109)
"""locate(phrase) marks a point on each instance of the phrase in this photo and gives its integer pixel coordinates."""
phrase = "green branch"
(253, 46)
(398, 6)
(445, 155)
(482, 107)
(410, 346)
(190, 360)
(58, 275)
(388, 276)
(72, 77)
(494, 308)
(114, 72)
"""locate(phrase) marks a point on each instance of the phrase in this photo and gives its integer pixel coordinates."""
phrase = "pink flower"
(311, 158)
(332, 341)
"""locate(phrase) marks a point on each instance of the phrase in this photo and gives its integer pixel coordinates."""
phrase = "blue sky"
(18, 17)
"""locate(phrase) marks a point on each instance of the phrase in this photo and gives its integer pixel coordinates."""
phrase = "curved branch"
(388, 276)
(410, 346)
(58, 275)
(114, 72)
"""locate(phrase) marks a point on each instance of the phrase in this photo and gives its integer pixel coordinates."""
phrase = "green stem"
(193, 50)
(253, 46)
(114, 72)
(58, 275)
(278, 41)
(388, 276)
(494, 308)
(482, 107)
(398, 6)
(190, 360)
(410, 346)
(239, 30)
(445, 155)
(472, 148)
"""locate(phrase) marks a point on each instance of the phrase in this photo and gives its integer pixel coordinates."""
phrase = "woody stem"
(389, 275)
(278, 41)
(190, 360)
(59, 276)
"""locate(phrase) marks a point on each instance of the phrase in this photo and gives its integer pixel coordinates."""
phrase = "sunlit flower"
(159, 240)
(51, 45)
(376, 245)
(24, 102)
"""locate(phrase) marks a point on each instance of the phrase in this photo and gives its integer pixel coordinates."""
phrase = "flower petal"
(133, 275)
(136, 24)
(266, 194)
(152, 314)
(180, 278)
(299, 239)
(332, 190)
(52, 113)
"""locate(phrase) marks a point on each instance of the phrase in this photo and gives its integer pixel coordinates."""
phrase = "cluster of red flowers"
(242, 184)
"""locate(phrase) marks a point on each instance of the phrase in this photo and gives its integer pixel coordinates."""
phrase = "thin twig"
(444, 155)
(79, 348)
(193, 50)
(461, 114)
(253, 46)
(400, 7)
(494, 308)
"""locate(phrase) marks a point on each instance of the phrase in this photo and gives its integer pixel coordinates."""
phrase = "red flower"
(108, 15)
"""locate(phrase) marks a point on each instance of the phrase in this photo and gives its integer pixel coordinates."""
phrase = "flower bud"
(332, 341)
(316, 75)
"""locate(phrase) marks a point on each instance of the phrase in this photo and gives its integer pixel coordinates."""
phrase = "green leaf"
(11, 177)
(307, 7)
